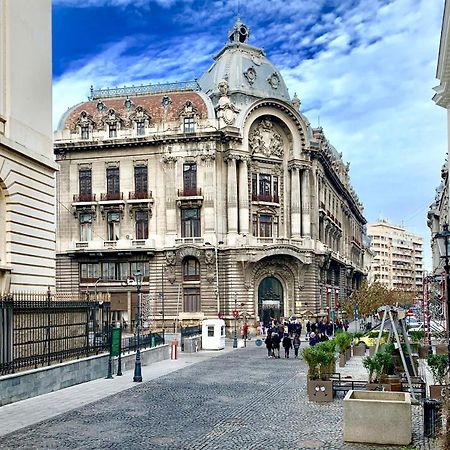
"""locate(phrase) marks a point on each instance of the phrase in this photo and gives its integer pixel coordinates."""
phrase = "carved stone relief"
(266, 140)
(226, 111)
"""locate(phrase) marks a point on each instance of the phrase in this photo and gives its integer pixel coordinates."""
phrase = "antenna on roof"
(238, 8)
(318, 121)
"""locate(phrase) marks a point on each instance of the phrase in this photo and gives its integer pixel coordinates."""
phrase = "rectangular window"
(264, 185)
(113, 130)
(112, 182)
(275, 190)
(254, 185)
(210, 331)
(85, 184)
(141, 224)
(84, 129)
(142, 266)
(140, 128)
(190, 179)
(190, 222)
(109, 271)
(89, 271)
(189, 124)
(141, 179)
(265, 188)
(191, 300)
(265, 225)
(113, 226)
(85, 227)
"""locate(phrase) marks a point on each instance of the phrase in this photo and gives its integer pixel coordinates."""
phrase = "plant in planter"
(438, 365)
(359, 348)
(320, 362)
(343, 342)
(379, 366)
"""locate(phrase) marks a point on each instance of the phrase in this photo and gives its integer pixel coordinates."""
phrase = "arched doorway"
(270, 300)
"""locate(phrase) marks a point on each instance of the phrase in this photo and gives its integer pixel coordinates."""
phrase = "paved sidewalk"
(27, 412)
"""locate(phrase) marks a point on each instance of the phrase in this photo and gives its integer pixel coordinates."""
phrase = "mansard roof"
(167, 106)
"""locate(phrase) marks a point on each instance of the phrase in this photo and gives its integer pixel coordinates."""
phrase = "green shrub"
(320, 361)
(416, 335)
(439, 366)
(343, 340)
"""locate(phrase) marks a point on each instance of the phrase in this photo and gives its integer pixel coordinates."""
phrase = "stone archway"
(270, 299)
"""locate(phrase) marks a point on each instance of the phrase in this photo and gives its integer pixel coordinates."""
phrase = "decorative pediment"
(83, 120)
(111, 117)
(266, 140)
(188, 109)
(140, 114)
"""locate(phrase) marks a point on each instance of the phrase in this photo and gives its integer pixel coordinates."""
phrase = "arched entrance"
(270, 300)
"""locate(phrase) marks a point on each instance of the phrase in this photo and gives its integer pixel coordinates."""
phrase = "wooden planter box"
(359, 350)
(342, 360)
(348, 354)
(319, 391)
(377, 417)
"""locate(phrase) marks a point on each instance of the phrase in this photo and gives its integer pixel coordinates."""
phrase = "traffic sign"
(235, 313)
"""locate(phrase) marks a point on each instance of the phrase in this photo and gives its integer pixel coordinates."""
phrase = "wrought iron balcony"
(84, 198)
(140, 195)
(266, 198)
(111, 196)
(190, 192)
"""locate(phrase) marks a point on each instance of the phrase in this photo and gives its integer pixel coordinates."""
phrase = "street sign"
(235, 313)
(115, 341)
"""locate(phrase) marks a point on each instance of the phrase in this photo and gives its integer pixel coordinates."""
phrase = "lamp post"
(137, 364)
(443, 241)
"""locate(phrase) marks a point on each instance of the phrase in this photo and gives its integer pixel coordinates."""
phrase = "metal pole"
(235, 323)
(447, 279)
(217, 279)
(162, 296)
(137, 364)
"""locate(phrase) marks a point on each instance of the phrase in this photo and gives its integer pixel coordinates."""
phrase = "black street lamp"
(443, 241)
(137, 364)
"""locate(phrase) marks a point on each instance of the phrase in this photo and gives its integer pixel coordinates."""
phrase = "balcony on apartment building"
(118, 245)
(190, 192)
(265, 198)
(84, 198)
(111, 197)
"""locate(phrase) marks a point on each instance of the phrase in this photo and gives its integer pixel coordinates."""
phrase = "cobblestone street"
(240, 400)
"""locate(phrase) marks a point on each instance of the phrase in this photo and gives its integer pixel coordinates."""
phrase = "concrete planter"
(348, 354)
(319, 391)
(377, 417)
(371, 351)
(359, 350)
(342, 360)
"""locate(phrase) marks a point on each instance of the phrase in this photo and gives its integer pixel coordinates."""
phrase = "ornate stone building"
(218, 190)
(27, 169)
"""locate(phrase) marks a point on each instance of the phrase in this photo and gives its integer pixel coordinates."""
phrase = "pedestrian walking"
(313, 339)
(308, 329)
(268, 342)
(287, 345)
(296, 344)
(276, 345)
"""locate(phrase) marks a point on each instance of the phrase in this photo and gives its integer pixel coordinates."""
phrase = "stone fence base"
(31, 383)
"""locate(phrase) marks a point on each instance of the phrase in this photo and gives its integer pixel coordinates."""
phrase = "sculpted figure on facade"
(266, 140)
(171, 258)
(226, 111)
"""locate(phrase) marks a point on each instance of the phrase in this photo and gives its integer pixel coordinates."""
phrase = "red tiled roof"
(152, 104)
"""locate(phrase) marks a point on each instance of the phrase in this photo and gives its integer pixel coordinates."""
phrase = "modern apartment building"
(398, 256)
(218, 190)
(27, 169)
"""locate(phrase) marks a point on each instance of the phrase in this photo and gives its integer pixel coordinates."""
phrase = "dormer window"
(113, 130)
(140, 127)
(84, 131)
(189, 124)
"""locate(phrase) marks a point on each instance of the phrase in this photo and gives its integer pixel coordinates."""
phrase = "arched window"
(191, 269)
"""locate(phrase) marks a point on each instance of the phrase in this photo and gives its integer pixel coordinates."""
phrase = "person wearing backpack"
(296, 344)
(287, 345)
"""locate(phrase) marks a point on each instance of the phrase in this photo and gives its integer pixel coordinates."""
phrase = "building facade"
(398, 256)
(219, 191)
(27, 169)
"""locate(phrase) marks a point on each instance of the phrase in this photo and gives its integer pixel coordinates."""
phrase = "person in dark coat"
(296, 344)
(276, 345)
(308, 329)
(268, 342)
(287, 344)
(313, 339)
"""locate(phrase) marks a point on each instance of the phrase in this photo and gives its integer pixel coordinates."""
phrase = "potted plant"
(416, 337)
(359, 348)
(379, 367)
(320, 362)
(438, 365)
(343, 341)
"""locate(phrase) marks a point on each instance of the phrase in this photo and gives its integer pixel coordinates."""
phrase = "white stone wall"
(27, 198)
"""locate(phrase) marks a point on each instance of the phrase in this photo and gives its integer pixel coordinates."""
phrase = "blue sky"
(364, 68)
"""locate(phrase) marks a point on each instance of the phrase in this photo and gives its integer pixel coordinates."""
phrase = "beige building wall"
(27, 183)
(398, 256)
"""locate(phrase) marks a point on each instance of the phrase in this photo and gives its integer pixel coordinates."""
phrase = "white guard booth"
(213, 334)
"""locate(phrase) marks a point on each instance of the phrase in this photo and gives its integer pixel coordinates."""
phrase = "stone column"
(295, 203)
(243, 198)
(232, 205)
(306, 204)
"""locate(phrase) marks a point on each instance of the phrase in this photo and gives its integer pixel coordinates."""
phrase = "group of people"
(287, 335)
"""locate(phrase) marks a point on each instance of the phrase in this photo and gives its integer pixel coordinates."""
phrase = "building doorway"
(270, 300)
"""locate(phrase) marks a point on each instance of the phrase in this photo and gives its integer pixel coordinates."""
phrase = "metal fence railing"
(38, 330)
(149, 340)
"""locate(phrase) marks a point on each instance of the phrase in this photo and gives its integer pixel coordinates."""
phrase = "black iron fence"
(38, 330)
(149, 340)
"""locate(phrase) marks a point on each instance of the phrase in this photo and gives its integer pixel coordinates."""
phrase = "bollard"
(173, 349)
(431, 417)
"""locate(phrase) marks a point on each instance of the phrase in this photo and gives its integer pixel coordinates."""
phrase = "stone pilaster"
(232, 204)
(243, 197)
(295, 203)
(306, 204)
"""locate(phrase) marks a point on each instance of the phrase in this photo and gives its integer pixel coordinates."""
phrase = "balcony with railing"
(267, 198)
(119, 245)
(84, 198)
(111, 196)
(190, 192)
(140, 195)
